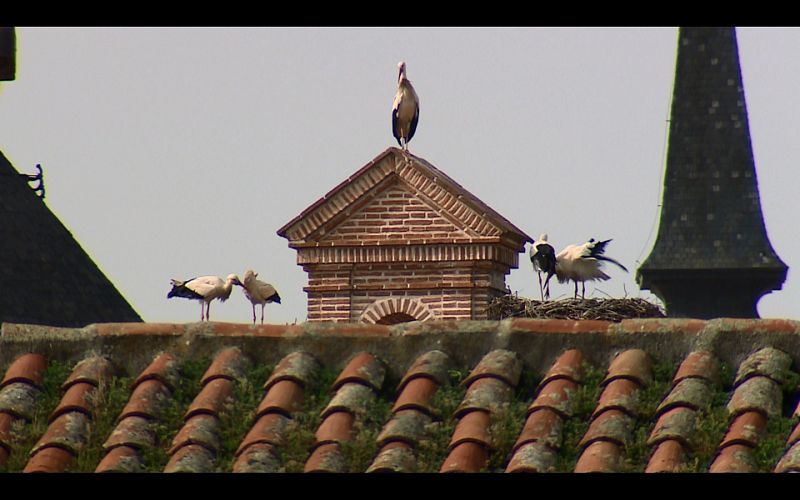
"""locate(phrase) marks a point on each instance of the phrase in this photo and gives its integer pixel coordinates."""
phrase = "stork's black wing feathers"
(413, 126)
(544, 259)
(180, 290)
(395, 130)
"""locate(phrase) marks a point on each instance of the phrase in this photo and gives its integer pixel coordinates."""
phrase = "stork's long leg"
(202, 310)
(262, 312)
(576, 289)
(208, 311)
(583, 289)
(254, 314)
(541, 287)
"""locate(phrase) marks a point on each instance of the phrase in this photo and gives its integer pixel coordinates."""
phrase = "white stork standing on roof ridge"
(205, 289)
(405, 109)
(258, 292)
(543, 258)
(581, 263)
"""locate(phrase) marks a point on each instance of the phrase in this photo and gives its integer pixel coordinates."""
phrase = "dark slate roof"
(518, 395)
(47, 277)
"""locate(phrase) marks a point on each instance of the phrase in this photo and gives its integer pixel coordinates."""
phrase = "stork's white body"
(405, 109)
(258, 292)
(581, 263)
(204, 289)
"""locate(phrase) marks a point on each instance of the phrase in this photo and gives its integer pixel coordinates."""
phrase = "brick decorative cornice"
(428, 252)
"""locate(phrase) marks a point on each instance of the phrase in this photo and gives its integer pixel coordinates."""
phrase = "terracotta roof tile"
(258, 457)
(600, 456)
(19, 399)
(201, 429)
(51, 459)
(417, 394)
(619, 394)
(394, 457)
(336, 427)
(569, 365)
(271, 429)
(298, 366)
(326, 458)
(544, 426)
(148, 399)
(611, 425)
(121, 459)
(431, 364)
(363, 368)
(466, 457)
(473, 427)
(229, 363)
(500, 363)
(533, 457)
(26, 368)
(790, 461)
(767, 362)
(747, 428)
(669, 456)
(558, 395)
(407, 426)
(485, 394)
(634, 364)
(77, 397)
(285, 396)
(694, 393)
(676, 424)
(91, 370)
(757, 393)
(699, 364)
(212, 399)
(191, 458)
(69, 431)
(134, 432)
(164, 368)
(734, 458)
(352, 397)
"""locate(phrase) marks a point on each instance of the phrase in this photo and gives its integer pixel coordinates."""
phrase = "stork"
(258, 292)
(543, 258)
(581, 263)
(405, 109)
(205, 289)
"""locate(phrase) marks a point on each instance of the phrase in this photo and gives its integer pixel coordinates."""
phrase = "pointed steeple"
(712, 256)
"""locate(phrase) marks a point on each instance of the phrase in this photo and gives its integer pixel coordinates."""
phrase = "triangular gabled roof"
(439, 191)
(47, 277)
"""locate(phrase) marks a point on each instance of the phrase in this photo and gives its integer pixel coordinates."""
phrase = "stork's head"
(233, 279)
(401, 71)
(542, 237)
(249, 275)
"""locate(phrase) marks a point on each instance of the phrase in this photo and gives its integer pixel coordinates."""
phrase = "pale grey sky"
(178, 152)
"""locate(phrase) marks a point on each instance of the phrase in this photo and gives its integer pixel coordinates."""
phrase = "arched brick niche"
(396, 310)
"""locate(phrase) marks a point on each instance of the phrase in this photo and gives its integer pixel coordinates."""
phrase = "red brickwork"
(400, 241)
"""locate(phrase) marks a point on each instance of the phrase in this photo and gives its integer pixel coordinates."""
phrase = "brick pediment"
(359, 210)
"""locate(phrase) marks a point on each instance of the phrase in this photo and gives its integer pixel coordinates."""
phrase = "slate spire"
(712, 257)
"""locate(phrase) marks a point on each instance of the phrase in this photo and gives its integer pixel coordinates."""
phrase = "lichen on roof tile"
(272, 428)
(768, 362)
(600, 456)
(91, 370)
(757, 393)
(229, 363)
(212, 399)
(473, 427)
(19, 399)
(621, 394)
(558, 395)
(533, 457)
(202, 430)
(408, 426)
(352, 397)
(394, 459)
(432, 364)
(612, 425)
(191, 458)
(692, 393)
(148, 399)
(734, 458)
(500, 363)
(468, 456)
(260, 457)
(677, 424)
(164, 368)
(489, 394)
(634, 364)
(669, 456)
(299, 366)
(69, 431)
(121, 459)
(747, 428)
(568, 365)
(545, 426)
(285, 396)
(362, 368)
(790, 460)
(133, 431)
(700, 364)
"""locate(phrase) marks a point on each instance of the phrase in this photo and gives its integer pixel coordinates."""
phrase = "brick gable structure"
(399, 241)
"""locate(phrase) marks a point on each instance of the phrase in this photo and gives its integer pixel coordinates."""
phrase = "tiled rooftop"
(517, 395)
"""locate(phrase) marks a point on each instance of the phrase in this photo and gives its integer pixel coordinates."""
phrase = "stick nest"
(512, 306)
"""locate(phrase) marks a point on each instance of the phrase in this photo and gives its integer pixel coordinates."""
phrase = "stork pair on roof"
(207, 288)
(578, 263)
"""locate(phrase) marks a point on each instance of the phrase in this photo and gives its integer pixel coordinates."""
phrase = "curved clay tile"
(734, 458)
(466, 457)
(258, 457)
(325, 458)
(298, 366)
(487, 394)
(19, 399)
(121, 459)
(135, 432)
(417, 394)
(271, 429)
(557, 395)
(757, 393)
(336, 427)
(212, 398)
(669, 456)
(619, 394)
(694, 393)
(69, 431)
(148, 399)
(600, 456)
(90, 370)
(432, 364)
(50, 459)
(396, 456)
(699, 364)
(27, 368)
(408, 426)
(191, 458)
(472, 427)
(794, 437)
(748, 428)
(352, 397)
(634, 364)
(229, 363)
(676, 424)
(790, 461)
(500, 363)
(201, 429)
(285, 396)
(543, 425)
(533, 457)
(611, 425)
(164, 368)
(569, 366)
(76, 398)
(767, 362)
(363, 368)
